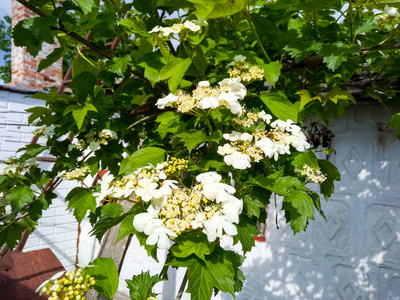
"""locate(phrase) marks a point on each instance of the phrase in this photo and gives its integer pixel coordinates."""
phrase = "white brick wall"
(57, 229)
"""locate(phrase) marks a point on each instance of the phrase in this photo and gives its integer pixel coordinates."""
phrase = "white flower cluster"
(227, 93)
(77, 174)
(240, 68)
(44, 130)
(249, 118)
(93, 140)
(15, 166)
(208, 205)
(245, 148)
(390, 14)
(313, 175)
(176, 28)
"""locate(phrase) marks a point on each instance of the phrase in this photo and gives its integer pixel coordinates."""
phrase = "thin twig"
(276, 213)
(182, 288)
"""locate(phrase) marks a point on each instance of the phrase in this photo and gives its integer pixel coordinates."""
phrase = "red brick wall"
(24, 66)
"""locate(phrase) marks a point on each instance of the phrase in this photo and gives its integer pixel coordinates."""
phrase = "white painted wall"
(58, 229)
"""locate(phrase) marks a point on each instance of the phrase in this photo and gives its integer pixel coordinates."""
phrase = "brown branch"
(66, 30)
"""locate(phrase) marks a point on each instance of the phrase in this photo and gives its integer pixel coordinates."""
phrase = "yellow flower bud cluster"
(175, 166)
(72, 287)
(101, 138)
(240, 68)
(255, 153)
(152, 298)
(313, 175)
(15, 166)
(77, 174)
(187, 209)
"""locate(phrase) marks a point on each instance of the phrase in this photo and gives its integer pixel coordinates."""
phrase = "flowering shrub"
(203, 111)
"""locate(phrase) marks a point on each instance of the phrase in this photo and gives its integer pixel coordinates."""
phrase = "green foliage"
(140, 286)
(81, 200)
(313, 62)
(5, 46)
(106, 275)
(141, 158)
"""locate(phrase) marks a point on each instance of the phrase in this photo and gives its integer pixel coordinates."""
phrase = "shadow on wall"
(355, 253)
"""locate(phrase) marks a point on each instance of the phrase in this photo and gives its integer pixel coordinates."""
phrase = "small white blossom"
(235, 136)
(264, 116)
(391, 11)
(233, 208)
(147, 190)
(238, 160)
(160, 237)
(166, 101)
(226, 149)
(220, 192)
(192, 26)
(209, 102)
(208, 177)
(215, 226)
(204, 83)
(94, 146)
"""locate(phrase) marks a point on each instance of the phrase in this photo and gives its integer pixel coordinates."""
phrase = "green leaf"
(175, 70)
(305, 158)
(194, 242)
(141, 286)
(152, 64)
(332, 174)
(80, 65)
(18, 196)
(170, 122)
(203, 276)
(247, 229)
(112, 210)
(266, 28)
(10, 234)
(254, 200)
(141, 158)
(336, 53)
(126, 228)
(212, 9)
(394, 122)
(306, 98)
(280, 185)
(280, 106)
(120, 64)
(32, 151)
(135, 25)
(272, 71)
(337, 94)
(81, 200)
(191, 138)
(85, 5)
(106, 275)
(36, 112)
(51, 58)
(299, 207)
(79, 112)
(84, 84)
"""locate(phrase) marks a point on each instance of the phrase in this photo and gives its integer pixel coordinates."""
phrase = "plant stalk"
(182, 288)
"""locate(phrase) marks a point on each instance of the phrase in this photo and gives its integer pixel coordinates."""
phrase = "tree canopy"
(203, 111)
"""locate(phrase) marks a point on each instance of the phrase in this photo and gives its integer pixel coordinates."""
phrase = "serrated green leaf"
(336, 53)
(80, 65)
(106, 276)
(10, 234)
(126, 228)
(141, 286)
(305, 158)
(120, 64)
(79, 112)
(299, 208)
(394, 122)
(112, 210)
(247, 229)
(170, 122)
(254, 200)
(306, 98)
(141, 158)
(18, 196)
(81, 200)
(212, 9)
(135, 25)
(191, 138)
(174, 72)
(332, 174)
(203, 276)
(194, 242)
(36, 112)
(280, 106)
(32, 151)
(85, 5)
(337, 94)
(83, 85)
(272, 71)
(51, 58)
